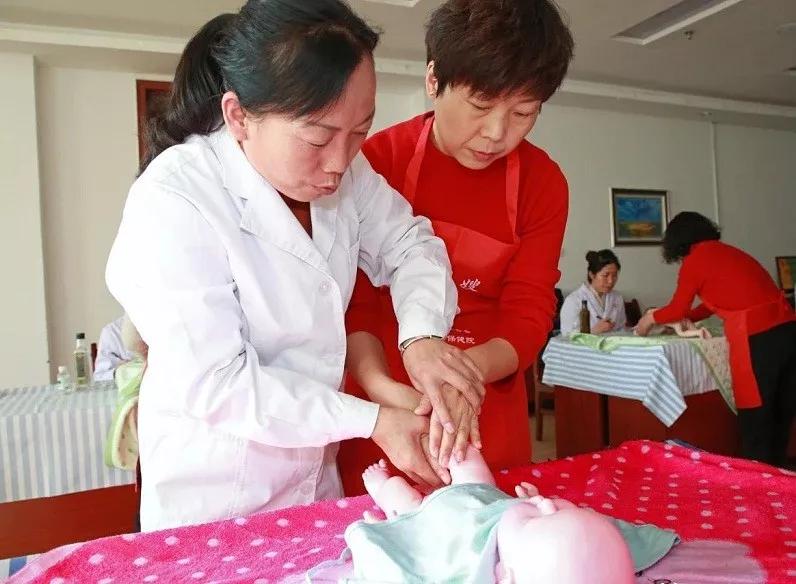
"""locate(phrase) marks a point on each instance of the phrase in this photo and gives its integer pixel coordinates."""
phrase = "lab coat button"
(324, 287)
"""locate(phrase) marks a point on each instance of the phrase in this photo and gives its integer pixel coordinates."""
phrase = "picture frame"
(786, 271)
(151, 96)
(638, 216)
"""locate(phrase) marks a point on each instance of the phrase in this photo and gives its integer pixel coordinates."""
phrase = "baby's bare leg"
(392, 494)
(472, 469)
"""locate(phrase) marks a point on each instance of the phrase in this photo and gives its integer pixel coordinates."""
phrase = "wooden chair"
(533, 377)
(632, 312)
(540, 391)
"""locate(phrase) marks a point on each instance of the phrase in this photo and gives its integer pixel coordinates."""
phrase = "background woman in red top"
(759, 324)
(500, 205)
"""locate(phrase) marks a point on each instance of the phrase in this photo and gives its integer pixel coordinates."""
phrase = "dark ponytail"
(597, 260)
(194, 105)
(289, 57)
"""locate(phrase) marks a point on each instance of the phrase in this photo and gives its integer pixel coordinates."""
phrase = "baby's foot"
(374, 478)
(526, 490)
(392, 494)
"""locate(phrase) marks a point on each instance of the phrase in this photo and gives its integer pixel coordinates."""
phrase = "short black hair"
(498, 47)
(597, 260)
(685, 230)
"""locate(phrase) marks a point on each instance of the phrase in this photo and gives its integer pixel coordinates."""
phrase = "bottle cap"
(80, 336)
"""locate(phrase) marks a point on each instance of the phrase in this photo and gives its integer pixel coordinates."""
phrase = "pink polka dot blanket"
(736, 519)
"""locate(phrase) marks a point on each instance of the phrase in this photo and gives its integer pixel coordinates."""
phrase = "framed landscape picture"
(638, 216)
(786, 271)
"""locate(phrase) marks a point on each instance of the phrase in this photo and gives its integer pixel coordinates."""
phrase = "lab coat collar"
(267, 216)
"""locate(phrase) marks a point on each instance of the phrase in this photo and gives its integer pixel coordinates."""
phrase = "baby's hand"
(526, 490)
(543, 505)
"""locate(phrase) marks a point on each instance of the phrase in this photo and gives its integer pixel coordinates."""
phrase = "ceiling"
(740, 53)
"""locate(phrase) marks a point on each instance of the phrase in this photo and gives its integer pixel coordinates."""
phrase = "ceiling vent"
(675, 18)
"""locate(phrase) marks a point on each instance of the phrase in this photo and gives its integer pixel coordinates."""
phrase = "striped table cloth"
(51, 442)
(658, 376)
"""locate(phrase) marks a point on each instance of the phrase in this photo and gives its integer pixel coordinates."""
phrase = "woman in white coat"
(111, 351)
(606, 307)
(236, 258)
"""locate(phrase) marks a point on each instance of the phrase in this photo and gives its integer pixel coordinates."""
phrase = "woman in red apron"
(498, 203)
(759, 324)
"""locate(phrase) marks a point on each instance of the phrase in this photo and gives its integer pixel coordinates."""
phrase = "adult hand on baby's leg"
(432, 363)
(398, 434)
(467, 432)
(442, 444)
(441, 471)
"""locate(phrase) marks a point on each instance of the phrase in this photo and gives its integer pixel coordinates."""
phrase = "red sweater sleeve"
(527, 300)
(363, 313)
(701, 312)
(687, 288)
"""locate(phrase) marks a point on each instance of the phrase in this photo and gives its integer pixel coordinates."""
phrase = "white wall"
(89, 156)
(757, 183)
(397, 99)
(598, 150)
(23, 324)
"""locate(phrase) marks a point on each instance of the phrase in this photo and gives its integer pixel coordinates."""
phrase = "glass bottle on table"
(64, 379)
(585, 318)
(82, 361)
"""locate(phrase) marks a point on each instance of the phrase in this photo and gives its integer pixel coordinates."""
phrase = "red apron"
(479, 266)
(739, 325)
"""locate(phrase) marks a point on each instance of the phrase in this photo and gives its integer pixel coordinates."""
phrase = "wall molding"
(33, 35)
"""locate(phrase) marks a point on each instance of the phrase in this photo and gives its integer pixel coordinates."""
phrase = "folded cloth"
(611, 342)
(715, 353)
(121, 446)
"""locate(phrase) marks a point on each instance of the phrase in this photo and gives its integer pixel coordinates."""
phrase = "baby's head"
(551, 540)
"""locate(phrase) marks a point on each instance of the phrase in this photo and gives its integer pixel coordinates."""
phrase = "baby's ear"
(503, 574)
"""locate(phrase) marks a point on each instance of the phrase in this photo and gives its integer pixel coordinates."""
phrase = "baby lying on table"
(472, 532)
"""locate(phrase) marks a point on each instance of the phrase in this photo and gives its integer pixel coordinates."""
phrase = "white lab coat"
(613, 309)
(243, 312)
(110, 351)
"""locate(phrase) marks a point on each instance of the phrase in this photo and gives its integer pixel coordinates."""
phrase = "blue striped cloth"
(51, 441)
(658, 376)
(11, 566)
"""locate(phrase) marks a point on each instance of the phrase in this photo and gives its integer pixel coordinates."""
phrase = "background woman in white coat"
(606, 307)
(236, 258)
(111, 351)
